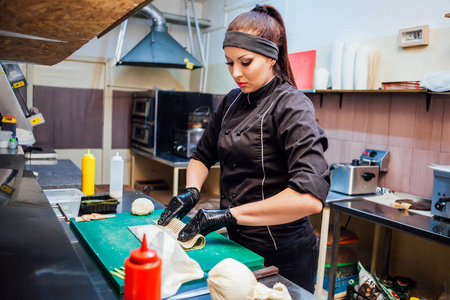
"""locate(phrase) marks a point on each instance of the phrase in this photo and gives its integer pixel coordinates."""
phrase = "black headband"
(251, 42)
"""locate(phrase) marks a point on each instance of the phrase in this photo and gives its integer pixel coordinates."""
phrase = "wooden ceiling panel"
(37, 51)
(74, 22)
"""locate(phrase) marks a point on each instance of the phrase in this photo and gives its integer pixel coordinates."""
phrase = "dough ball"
(142, 207)
(231, 280)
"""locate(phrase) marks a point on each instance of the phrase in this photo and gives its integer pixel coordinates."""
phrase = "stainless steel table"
(176, 162)
(423, 226)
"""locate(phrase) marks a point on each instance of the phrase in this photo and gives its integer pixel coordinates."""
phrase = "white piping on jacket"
(264, 170)
(262, 157)
(223, 119)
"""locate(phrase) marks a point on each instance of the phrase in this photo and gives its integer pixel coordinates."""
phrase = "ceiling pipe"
(173, 19)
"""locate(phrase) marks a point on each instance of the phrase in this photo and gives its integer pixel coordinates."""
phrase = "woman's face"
(250, 70)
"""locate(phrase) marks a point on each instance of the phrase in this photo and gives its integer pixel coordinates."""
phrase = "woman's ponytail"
(265, 21)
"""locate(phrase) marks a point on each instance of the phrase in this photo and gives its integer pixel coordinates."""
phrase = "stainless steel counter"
(55, 173)
(165, 158)
(42, 258)
(37, 260)
(12, 158)
(424, 226)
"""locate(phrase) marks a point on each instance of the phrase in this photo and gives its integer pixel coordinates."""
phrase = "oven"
(144, 107)
(159, 116)
(143, 134)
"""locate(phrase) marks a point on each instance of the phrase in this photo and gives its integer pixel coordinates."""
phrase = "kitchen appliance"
(144, 107)
(158, 48)
(142, 133)
(360, 176)
(440, 200)
(185, 141)
(158, 115)
(9, 105)
(199, 118)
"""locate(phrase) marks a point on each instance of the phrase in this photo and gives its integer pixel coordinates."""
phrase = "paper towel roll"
(337, 51)
(361, 67)
(348, 64)
(321, 80)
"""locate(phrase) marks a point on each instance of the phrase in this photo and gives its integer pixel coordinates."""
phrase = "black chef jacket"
(266, 141)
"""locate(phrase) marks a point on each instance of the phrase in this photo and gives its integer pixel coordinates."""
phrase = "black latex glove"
(180, 205)
(207, 221)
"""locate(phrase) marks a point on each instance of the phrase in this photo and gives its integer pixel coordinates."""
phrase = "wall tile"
(360, 117)
(421, 180)
(333, 154)
(428, 125)
(315, 99)
(403, 112)
(345, 118)
(376, 146)
(399, 173)
(378, 121)
(328, 115)
(444, 159)
(445, 141)
(351, 150)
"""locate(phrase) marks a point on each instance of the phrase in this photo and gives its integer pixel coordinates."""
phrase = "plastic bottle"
(142, 274)
(116, 177)
(88, 174)
(12, 143)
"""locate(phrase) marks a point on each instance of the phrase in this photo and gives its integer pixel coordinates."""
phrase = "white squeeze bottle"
(116, 177)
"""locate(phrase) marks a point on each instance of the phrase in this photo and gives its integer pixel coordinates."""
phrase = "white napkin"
(321, 79)
(177, 266)
(337, 51)
(361, 67)
(348, 64)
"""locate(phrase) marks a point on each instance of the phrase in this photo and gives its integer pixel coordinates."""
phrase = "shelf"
(371, 91)
(341, 93)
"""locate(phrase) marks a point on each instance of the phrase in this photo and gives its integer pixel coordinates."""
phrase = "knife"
(261, 273)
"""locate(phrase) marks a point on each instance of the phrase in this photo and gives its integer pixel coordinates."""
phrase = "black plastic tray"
(98, 208)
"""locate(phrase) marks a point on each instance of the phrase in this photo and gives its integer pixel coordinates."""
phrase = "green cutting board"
(111, 242)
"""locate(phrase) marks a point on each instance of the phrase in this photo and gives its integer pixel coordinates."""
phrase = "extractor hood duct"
(158, 48)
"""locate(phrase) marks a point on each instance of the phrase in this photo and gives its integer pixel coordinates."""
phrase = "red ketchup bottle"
(143, 274)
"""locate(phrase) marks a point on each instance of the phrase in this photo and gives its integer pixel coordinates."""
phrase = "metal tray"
(98, 208)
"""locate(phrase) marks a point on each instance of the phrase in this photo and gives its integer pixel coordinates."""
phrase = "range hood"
(158, 48)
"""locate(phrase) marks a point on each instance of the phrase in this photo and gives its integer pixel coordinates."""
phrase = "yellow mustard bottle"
(88, 174)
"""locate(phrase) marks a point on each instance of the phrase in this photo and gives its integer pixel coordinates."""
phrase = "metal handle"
(64, 217)
(371, 162)
(264, 272)
(367, 176)
(440, 205)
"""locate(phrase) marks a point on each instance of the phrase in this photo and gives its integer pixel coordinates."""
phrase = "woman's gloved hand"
(180, 205)
(207, 221)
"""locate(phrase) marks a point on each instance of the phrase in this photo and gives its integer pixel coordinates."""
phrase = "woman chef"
(271, 152)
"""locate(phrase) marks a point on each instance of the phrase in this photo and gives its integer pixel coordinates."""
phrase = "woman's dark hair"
(265, 21)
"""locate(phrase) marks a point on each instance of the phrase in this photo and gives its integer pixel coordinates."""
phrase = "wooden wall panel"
(121, 119)
(73, 117)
